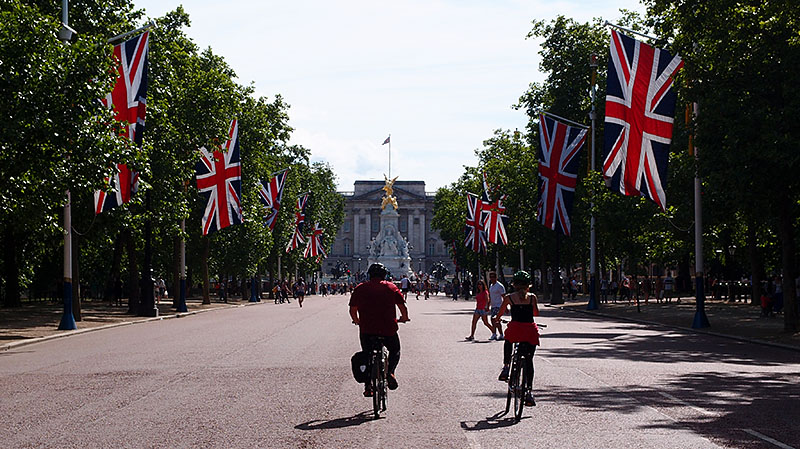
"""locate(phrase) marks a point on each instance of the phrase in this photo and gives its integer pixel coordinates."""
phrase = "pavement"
(739, 320)
(39, 321)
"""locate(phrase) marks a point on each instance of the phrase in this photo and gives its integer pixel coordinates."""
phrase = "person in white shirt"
(404, 284)
(496, 292)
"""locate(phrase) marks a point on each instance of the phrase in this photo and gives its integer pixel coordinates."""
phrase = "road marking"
(768, 439)
(681, 401)
(472, 439)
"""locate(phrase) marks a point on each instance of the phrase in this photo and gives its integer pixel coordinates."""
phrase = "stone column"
(369, 228)
(423, 235)
(357, 244)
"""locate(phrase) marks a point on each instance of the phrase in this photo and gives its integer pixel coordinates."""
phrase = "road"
(277, 376)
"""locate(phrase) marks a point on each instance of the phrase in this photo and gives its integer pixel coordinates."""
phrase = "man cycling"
(372, 308)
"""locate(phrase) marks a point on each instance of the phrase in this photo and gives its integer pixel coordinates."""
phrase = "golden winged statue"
(389, 198)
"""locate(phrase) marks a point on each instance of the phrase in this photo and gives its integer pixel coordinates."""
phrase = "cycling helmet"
(521, 277)
(377, 270)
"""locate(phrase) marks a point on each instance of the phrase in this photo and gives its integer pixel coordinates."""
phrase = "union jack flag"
(219, 180)
(495, 221)
(640, 106)
(314, 247)
(299, 221)
(558, 171)
(127, 99)
(271, 194)
(475, 235)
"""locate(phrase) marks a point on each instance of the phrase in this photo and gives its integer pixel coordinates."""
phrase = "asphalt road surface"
(278, 376)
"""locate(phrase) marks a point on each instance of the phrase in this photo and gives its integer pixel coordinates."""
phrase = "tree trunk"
(133, 275)
(76, 277)
(10, 267)
(114, 275)
(204, 268)
(545, 286)
(786, 231)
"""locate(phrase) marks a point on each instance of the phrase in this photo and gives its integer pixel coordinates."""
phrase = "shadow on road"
(338, 423)
(492, 422)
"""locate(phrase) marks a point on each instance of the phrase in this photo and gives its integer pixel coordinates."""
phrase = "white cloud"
(440, 76)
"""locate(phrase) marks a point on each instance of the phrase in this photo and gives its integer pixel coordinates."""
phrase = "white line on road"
(681, 401)
(768, 439)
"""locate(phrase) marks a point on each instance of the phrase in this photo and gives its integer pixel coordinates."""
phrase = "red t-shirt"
(376, 302)
(482, 298)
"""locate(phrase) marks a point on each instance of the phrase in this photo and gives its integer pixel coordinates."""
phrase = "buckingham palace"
(361, 224)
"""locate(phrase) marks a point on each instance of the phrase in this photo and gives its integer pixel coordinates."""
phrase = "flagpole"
(630, 31)
(151, 24)
(592, 236)
(700, 318)
(390, 155)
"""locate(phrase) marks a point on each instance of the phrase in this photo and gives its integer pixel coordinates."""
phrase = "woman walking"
(481, 309)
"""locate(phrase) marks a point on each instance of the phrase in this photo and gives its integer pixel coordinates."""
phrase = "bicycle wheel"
(517, 384)
(375, 383)
(384, 381)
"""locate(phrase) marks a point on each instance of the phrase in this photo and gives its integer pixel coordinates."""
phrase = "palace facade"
(362, 223)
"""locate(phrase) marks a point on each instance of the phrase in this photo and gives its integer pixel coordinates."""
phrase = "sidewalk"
(732, 319)
(39, 320)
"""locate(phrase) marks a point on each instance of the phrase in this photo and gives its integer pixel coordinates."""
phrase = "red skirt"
(518, 332)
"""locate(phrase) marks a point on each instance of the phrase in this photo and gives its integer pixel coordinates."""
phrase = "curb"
(30, 341)
(681, 328)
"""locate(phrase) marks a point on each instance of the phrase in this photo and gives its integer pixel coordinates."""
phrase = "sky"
(440, 76)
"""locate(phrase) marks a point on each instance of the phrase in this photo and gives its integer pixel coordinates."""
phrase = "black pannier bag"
(360, 365)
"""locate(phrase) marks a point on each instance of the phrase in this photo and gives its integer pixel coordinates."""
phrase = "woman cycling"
(522, 328)
(481, 309)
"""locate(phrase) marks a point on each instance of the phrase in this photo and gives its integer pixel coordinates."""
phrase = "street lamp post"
(67, 319)
(592, 236)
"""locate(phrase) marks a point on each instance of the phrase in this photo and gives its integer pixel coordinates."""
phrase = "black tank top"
(522, 313)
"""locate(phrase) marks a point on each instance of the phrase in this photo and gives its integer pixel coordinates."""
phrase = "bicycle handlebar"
(508, 321)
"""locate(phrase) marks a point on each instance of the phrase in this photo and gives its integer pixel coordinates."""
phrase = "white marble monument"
(389, 247)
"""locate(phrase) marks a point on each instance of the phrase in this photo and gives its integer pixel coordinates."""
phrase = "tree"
(55, 134)
(739, 66)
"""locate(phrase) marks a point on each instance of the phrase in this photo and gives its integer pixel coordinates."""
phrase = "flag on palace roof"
(640, 107)
(558, 172)
(314, 247)
(299, 221)
(475, 235)
(127, 99)
(388, 139)
(219, 181)
(271, 194)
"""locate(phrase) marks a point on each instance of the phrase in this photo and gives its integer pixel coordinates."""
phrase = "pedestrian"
(300, 291)
(659, 289)
(766, 304)
(404, 283)
(496, 292)
(456, 288)
(573, 288)
(669, 285)
(614, 289)
(481, 309)
(465, 288)
(604, 290)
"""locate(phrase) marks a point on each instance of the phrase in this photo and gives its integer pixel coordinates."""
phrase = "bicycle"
(518, 376)
(379, 366)
(379, 373)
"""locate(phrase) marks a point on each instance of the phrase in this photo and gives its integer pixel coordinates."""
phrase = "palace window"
(346, 226)
(346, 248)
(403, 225)
(431, 248)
